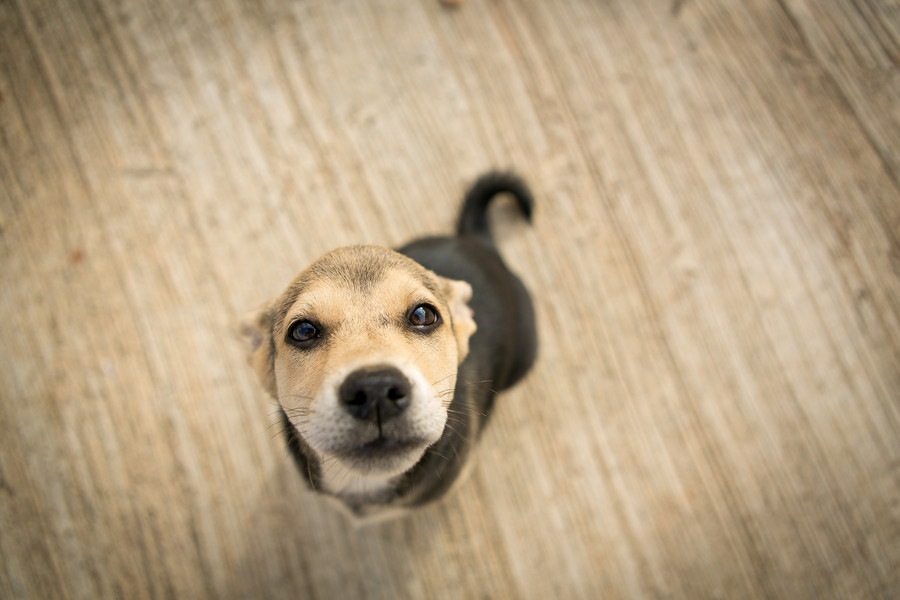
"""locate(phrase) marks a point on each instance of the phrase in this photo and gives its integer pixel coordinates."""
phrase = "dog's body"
(373, 355)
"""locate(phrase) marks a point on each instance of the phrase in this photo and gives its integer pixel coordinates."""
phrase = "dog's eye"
(423, 316)
(303, 332)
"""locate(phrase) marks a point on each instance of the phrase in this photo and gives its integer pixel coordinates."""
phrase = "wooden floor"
(715, 262)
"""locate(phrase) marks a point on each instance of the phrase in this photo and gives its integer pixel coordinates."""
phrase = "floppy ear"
(255, 329)
(458, 294)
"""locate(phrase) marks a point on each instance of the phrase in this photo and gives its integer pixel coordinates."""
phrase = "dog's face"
(361, 352)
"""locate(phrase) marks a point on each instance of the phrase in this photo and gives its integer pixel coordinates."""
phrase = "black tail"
(473, 218)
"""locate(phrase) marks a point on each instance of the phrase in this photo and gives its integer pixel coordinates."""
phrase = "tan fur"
(360, 296)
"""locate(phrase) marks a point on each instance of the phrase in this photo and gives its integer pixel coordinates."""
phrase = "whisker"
(433, 451)
(471, 405)
(297, 396)
(442, 379)
(453, 446)
(297, 412)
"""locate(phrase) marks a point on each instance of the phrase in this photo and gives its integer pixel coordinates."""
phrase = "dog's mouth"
(381, 442)
(385, 446)
(383, 453)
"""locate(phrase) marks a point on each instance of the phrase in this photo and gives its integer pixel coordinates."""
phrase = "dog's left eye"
(423, 316)
(303, 332)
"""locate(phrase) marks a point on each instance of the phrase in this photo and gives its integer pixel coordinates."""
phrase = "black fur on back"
(503, 348)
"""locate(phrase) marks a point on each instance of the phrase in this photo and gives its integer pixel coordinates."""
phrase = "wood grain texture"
(715, 262)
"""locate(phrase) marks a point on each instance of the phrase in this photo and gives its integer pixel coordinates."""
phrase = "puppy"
(385, 364)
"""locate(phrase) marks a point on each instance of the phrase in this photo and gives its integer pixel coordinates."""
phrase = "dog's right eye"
(303, 333)
(424, 317)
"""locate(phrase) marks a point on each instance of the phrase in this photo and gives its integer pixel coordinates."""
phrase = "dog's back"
(503, 348)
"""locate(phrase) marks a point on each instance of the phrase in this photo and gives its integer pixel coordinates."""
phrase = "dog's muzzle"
(375, 394)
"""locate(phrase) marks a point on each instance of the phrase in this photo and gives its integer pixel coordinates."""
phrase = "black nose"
(375, 394)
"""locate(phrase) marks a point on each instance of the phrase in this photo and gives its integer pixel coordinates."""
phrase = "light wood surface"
(715, 264)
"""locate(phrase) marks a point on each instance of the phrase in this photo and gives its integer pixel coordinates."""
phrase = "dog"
(385, 364)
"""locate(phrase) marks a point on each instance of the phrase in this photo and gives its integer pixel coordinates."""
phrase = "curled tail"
(473, 218)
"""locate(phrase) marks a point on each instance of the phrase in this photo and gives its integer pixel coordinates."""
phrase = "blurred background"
(714, 261)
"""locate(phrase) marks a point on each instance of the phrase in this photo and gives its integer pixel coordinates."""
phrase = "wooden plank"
(714, 264)
(858, 47)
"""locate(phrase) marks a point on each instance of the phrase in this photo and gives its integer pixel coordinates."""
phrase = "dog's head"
(361, 351)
